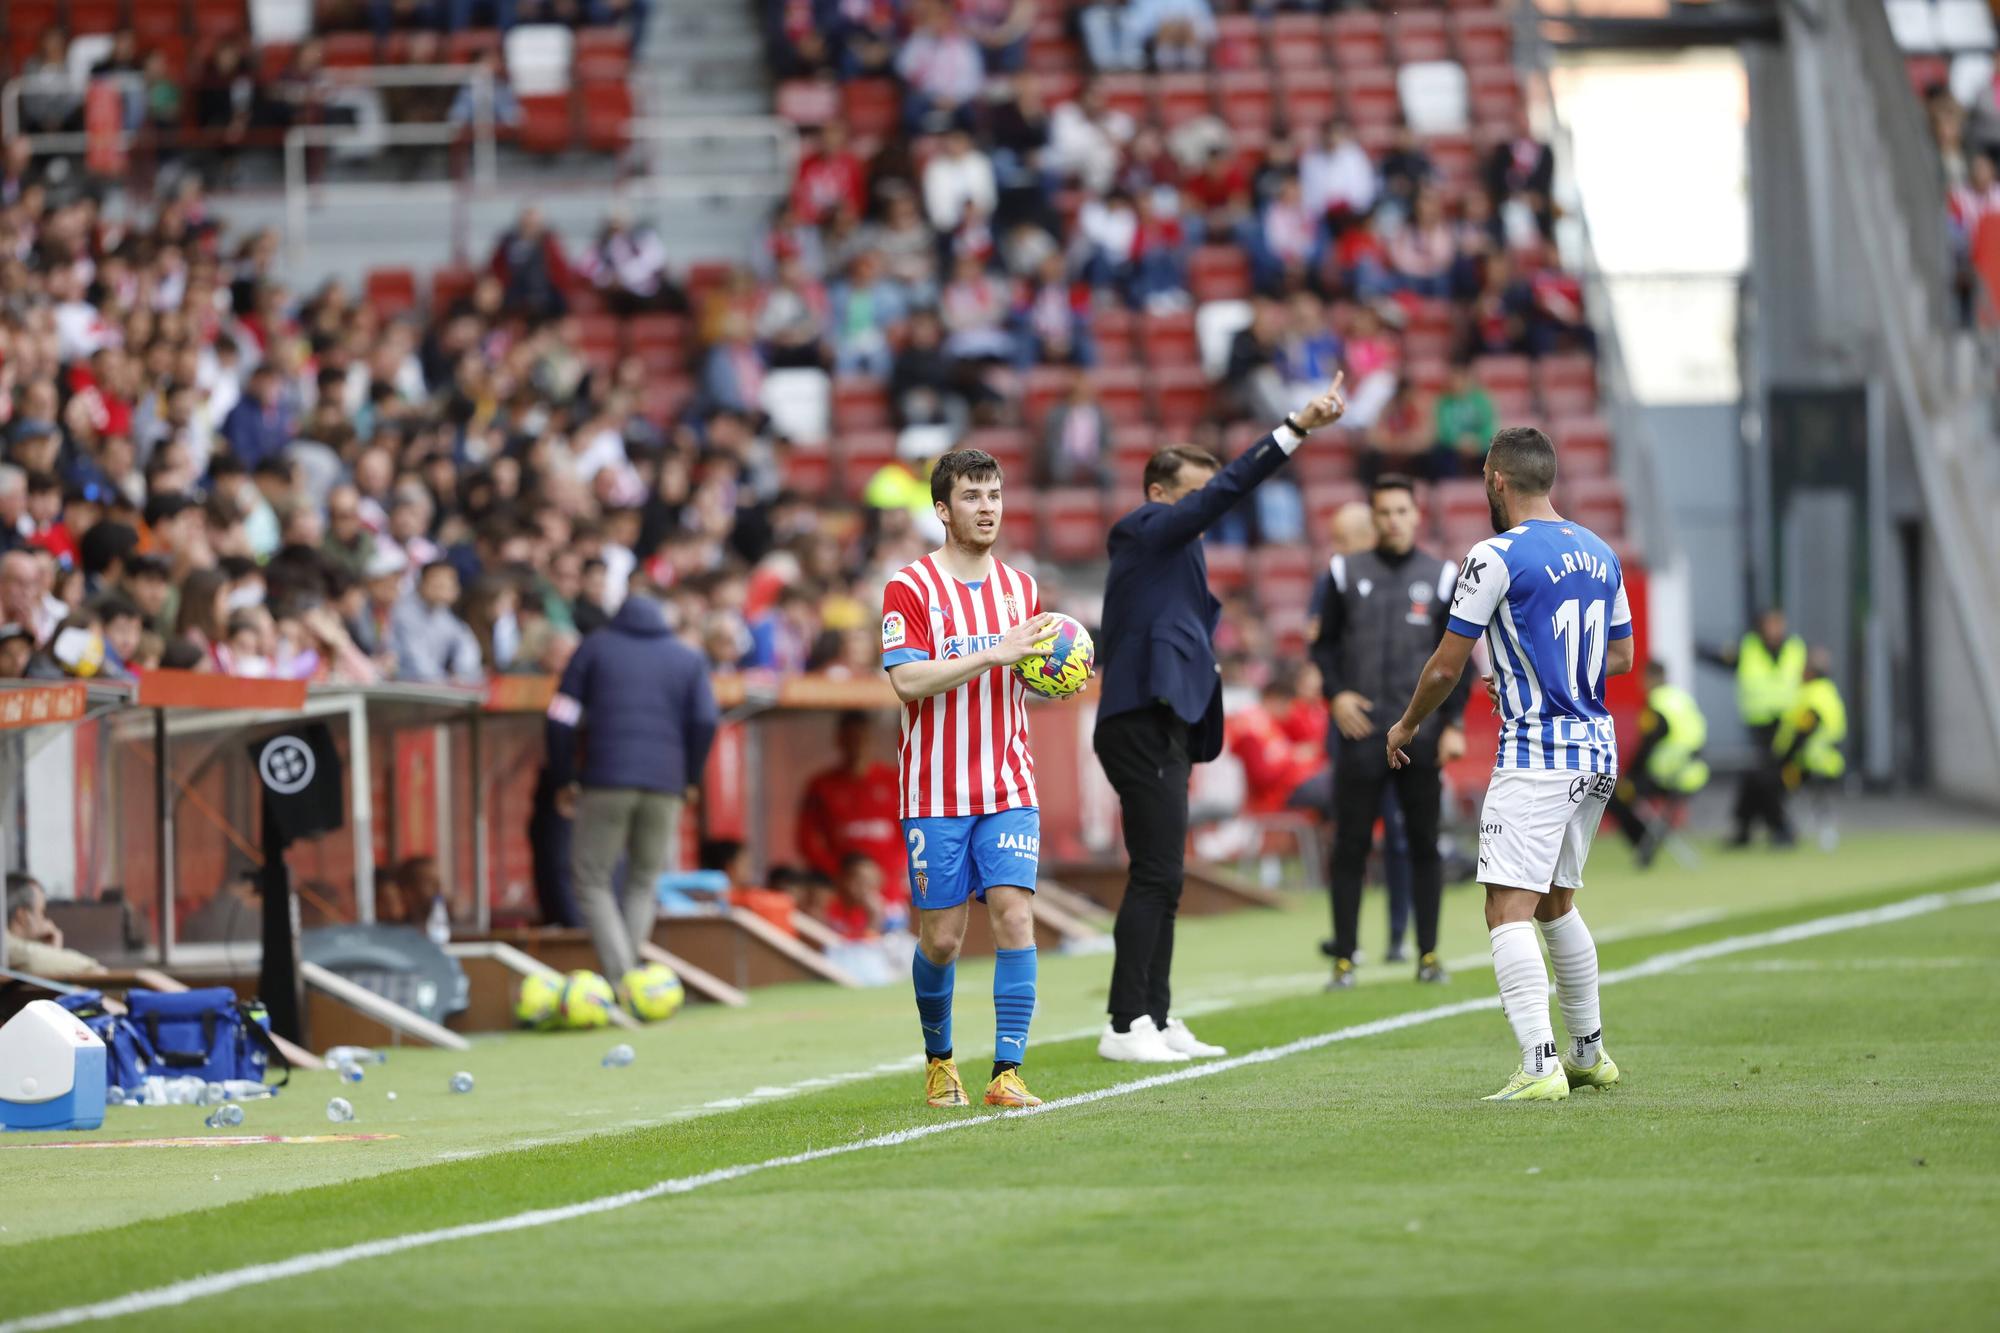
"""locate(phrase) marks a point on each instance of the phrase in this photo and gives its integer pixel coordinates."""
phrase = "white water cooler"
(51, 1071)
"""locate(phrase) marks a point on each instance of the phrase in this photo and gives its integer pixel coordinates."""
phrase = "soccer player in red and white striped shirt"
(952, 623)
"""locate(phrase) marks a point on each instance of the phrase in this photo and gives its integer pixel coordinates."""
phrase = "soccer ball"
(540, 999)
(1061, 663)
(587, 1000)
(652, 992)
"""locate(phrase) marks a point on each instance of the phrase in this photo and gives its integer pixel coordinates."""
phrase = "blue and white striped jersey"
(1548, 596)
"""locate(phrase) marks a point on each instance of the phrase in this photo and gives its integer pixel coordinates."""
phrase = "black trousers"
(1145, 754)
(1760, 791)
(1360, 774)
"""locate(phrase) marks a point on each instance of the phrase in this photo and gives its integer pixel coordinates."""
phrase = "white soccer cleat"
(1142, 1045)
(1178, 1038)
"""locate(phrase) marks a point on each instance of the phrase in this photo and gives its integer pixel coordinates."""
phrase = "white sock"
(1573, 954)
(1524, 994)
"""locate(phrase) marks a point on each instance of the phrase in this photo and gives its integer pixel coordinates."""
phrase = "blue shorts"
(955, 857)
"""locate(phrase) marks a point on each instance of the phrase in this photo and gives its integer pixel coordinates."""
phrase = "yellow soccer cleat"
(942, 1086)
(1525, 1087)
(1009, 1090)
(1600, 1075)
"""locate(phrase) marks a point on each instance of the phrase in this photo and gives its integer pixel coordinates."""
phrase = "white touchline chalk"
(235, 1279)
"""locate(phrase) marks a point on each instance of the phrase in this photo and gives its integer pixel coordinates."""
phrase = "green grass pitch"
(1808, 1137)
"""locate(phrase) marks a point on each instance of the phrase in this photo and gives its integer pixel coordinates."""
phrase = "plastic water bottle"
(339, 1110)
(114, 1095)
(461, 1082)
(246, 1090)
(349, 1071)
(618, 1056)
(212, 1095)
(357, 1055)
(438, 926)
(185, 1091)
(226, 1116)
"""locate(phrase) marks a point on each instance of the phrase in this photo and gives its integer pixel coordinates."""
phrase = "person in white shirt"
(942, 67)
(958, 176)
(1337, 177)
(1086, 140)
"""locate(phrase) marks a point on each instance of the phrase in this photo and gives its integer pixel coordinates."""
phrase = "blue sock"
(1013, 1004)
(934, 990)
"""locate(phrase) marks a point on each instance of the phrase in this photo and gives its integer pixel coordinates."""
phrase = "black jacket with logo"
(1381, 616)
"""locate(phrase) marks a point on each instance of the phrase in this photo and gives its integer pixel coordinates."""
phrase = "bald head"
(1352, 529)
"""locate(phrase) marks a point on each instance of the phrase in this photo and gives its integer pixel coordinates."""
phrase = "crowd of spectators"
(207, 470)
(1968, 139)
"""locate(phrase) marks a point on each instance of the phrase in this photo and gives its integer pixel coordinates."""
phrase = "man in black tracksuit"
(1383, 617)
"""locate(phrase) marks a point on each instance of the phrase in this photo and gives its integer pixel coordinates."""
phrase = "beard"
(1495, 512)
(967, 536)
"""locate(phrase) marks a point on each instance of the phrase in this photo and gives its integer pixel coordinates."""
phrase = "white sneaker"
(1142, 1045)
(1178, 1038)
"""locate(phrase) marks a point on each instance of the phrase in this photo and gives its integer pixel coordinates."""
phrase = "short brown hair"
(1393, 481)
(1526, 458)
(962, 464)
(1163, 467)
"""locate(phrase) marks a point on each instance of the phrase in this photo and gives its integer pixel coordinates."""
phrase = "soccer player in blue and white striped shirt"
(1548, 597)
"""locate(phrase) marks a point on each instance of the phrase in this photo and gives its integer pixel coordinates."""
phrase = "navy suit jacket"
(1157, 640)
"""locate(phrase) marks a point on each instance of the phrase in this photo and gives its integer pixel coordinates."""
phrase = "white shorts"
(1536, 827)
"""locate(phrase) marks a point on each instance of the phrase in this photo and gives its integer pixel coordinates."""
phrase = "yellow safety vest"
(1673, 763)
(1820, 755)
(1766, 686)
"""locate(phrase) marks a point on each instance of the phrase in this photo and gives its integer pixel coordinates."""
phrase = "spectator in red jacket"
(830, 174)
(1274, 764)
(850, 809)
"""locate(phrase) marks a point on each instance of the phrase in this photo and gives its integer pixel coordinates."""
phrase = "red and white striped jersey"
(965, 751)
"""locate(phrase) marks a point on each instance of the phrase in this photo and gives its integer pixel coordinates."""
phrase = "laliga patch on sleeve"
(893, 634)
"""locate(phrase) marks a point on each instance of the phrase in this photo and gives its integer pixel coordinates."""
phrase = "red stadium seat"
(862, 454)
(599, 334)
(1121, 392)
(1485, 37)
(1127, 93)
(1059, 86)
(664, 397)
(607, 116)
(1324, 499)
(1359, 41)
(1420, 35)
(1244, 99)
(1073, 523)
(1052, 48)
(1111, 331)
(809, 101)
(1298, 41)
(860, 403)
(448, 285)
(272, 59)
(1239, 43)
(808, 471)
(1458, 501)
(350, 50)
(1371, 96)
(1219, 273)
(707, 275)
(1332, 458)
(1169, 340)
(1131, 447)
(1499, 373)
(603, 55)
(1020, 523)
(88, 16)
(1427, 375)
(644, 331)
(871, 107)
(1583, 447)
(1182, 98)
(1569, 400)
(1041, 389)
(1496, 94)
(1180, 396)
(1228, 566)
(152, 20)
(1456, 159)
(1011, 446)
(1596, 502)
(546, 123)
(220, 18)
(469, 44)
(1308, 98)
(1566, 370)
(391, 291)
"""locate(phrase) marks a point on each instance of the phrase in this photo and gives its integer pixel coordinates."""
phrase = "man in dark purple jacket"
(636, 703)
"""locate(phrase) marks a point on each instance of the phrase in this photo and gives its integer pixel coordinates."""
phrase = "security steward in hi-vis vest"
(1666, 768)
(1770, 666)
(1806, 749)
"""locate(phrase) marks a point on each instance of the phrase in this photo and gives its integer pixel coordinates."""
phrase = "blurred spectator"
(1000, 27)
(529, 262)
(830, 176)
(783, 635)
(35, 943)
(259, 426)
(431, 644)
(1275, 762)
(1253, 375)
(17, 649)
(1399, 437)
(1051, 316)
(1336, 176)
(975, 307)
(1311, 354)
(1523, 167)
(1406, 168)
(504, 106)
(732, 377)
(1288, 241)
(854, 909)
(925, 388)
(941, 68)
(1087, 140)
(1422, 250)
(22, 601)
(51, 101)
(792, 324)
(1076, 443)
(959, 178)
(908, 248)
(1178, 33)
(850, 809)
(867, 310)
(1466, 420)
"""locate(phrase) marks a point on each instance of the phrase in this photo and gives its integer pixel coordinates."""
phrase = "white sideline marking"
(235, 1279)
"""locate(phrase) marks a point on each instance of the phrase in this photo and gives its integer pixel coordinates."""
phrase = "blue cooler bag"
(206, 1034)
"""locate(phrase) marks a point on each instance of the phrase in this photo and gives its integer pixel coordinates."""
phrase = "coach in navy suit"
(1160, 708)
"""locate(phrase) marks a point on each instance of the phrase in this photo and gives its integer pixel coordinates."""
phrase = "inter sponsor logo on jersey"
(1028, 844)
(964, 645)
